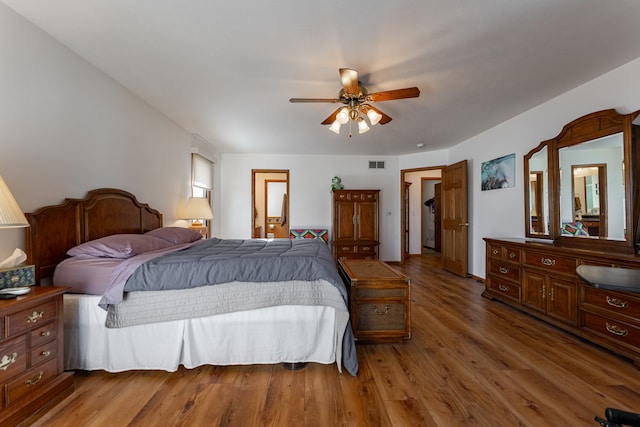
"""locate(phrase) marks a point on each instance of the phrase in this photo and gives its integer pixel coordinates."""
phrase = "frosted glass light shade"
(362, 126)
(374, 116)
(335, 127)
(343, 116)
(11, 215)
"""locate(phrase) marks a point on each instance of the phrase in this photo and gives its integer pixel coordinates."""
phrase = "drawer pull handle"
(503, 288)
(548, 261)
(618, 303)
(35, 379)
(496, 251)
(616, 330)
(504, 270)
(8, 360)
(387, 309)
(345, 248)
(45, 333)
(35, 316)
(46, 353)
(366, 248)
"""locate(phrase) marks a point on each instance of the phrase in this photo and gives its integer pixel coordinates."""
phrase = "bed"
(160, 305)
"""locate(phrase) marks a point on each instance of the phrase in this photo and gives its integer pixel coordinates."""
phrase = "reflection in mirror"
(270, 203)
(592, 190)
(538, 217)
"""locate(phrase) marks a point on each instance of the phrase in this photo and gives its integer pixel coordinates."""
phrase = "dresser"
(379, 299)
(355, 224)
(31, 354)
(540, 279)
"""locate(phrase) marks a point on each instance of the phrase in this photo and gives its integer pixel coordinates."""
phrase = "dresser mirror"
(536, 166)
(584, 195)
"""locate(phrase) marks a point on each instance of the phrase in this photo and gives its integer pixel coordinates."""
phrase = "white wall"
(310, 198)
(66, 128)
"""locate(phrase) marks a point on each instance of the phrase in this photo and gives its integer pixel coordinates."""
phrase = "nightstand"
(31, 354)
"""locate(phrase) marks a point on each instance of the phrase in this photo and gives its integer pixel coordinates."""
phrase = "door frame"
(403, 172)
(287, 178)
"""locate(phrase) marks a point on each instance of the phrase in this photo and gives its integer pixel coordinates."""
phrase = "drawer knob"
(618, 303)
(387, 309)
(35, 316)
(548, 261)
(45, 333)
(46, 353)
(35, 379)
(8, 360)
(503, 288)
(616, 330)
(496, 251)
(504, 270)
(512, 255)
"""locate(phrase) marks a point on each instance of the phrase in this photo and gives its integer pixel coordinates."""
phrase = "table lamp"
(197, 209)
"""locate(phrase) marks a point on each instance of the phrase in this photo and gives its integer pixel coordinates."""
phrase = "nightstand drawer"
(13, 358)
(44, 353)
(30, 381)
(43, 334)
(27, 319)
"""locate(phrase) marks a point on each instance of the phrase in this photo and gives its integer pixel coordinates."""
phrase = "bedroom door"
(270, 203)
(455, 225)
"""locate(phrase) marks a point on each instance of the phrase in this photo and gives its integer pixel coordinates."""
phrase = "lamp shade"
(197, 208)
(11, 215)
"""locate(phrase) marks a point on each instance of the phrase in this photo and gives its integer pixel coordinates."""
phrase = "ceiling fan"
(358, 102)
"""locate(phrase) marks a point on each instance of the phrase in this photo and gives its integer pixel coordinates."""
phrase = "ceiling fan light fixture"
(343, 116)
(374, 116)
(335, 127)
(362, 126)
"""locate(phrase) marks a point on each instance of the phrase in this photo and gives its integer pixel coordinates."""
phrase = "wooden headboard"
(56, 229)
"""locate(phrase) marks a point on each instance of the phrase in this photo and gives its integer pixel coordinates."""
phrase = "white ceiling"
(225, 70)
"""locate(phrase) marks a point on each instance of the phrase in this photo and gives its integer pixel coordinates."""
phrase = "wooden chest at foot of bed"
(379, 297)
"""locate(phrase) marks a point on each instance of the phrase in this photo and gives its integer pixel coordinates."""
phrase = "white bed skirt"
(264, 336)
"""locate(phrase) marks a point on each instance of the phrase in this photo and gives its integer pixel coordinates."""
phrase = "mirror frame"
(527, 198)
(586, 128)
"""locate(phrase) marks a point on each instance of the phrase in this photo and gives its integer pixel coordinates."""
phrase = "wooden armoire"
(355, 224)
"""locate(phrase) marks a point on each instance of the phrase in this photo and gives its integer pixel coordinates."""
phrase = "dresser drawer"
(614, 302)
(503, 252)
(551, 263)
(30, 381)
(504, 270)
(366, 250)
(13, 358)
(508, 289)
(44, 333)
(27, 319)
(615, 330)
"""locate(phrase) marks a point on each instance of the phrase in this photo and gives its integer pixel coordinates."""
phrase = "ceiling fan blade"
(331, 100)
(331, 118)
(410, 92)
(349, 80)
(385, 119)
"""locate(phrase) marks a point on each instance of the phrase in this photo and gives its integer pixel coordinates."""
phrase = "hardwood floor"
(470, 361)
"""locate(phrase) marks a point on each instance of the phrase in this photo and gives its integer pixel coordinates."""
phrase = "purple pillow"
(175, 235)
(118, 246)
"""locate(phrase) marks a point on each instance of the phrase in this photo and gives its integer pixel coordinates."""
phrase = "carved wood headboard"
(56, 229)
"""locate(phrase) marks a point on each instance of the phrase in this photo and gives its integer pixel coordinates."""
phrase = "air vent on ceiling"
(376, 165)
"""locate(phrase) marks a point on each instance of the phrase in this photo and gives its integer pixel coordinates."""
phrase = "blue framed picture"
(499, 173)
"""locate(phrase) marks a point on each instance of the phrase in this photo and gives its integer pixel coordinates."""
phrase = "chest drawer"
(44, 333)
(45, 352)
(23, 320)
(504, 270)
(552, 263)
(376, 316)
(611, 301)
(13, 358)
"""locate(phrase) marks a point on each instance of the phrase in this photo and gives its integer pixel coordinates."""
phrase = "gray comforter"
(305, 266)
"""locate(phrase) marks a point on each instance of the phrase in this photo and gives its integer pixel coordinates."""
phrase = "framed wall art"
(499, 173)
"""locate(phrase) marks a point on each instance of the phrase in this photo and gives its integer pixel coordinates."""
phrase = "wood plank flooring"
(470, 362)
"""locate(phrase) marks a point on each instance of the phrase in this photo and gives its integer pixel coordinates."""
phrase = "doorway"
(270, 203)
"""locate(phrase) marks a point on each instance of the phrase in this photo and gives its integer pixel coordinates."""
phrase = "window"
(202, 180)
